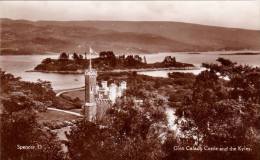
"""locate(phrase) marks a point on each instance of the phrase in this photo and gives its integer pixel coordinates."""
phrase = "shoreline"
(149, 53)
(120, 70)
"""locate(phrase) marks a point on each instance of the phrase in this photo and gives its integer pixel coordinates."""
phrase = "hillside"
(28, 37)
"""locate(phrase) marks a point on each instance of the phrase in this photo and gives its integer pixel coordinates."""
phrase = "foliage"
(169, 61)
(107, 60)
(40, 93)
(20, 128)
(223, 113)
(77, 57)
(107, 55)
(127, 132)
(64, 56)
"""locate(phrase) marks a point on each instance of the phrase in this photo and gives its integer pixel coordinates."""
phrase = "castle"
(99, 98)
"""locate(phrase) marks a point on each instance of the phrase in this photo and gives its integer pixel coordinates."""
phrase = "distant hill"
(29, 37)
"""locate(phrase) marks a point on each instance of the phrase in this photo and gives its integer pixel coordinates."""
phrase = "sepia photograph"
(130, 80)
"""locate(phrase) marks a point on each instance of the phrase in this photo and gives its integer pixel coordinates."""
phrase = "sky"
(238, 14)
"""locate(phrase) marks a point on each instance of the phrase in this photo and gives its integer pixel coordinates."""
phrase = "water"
(206, 57)
(165, 73)
(18, 64)
(198, 59)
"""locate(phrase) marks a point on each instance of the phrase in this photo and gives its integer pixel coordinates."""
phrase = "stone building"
(99, 98)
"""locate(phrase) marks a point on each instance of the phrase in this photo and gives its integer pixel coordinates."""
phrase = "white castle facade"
(98, 98)
(110, 92)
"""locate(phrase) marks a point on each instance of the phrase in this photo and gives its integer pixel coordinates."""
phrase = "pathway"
(68, 90)
(65, 111)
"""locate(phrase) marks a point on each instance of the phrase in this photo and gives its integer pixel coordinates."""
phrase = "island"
(241, 53)
(107, 61)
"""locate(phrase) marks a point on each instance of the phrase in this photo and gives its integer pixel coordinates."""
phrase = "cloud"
(239, 14)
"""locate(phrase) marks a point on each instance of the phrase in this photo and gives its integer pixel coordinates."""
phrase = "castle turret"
(90, 107)
(112, 92)
(123, 85)
(90, 85)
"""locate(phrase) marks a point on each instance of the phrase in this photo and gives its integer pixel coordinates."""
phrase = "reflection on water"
(17, 65)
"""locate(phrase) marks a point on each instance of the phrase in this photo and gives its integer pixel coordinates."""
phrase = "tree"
(107, 54)
(108, 57)
(80, 56)
(138, 58)
(145, 62)
(64, 56)
(133, 60)
(5, 79)
(20, 102)
(20, 128)
(126, 133)
(47, 61)
(218, 118)
(87, 141)
(225, 62)
(169, 61)
(75, 56)
(40, 93)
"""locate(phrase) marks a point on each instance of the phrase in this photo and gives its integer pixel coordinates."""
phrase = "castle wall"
(90, 111)
(102, 106)
(99, 98)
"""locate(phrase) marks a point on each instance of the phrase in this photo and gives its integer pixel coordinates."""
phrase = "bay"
(19, 64)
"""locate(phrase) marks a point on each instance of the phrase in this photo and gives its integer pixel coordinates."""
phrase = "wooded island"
(106, 61)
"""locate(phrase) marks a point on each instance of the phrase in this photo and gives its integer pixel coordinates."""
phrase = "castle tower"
(112, 92)
(90, 107)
